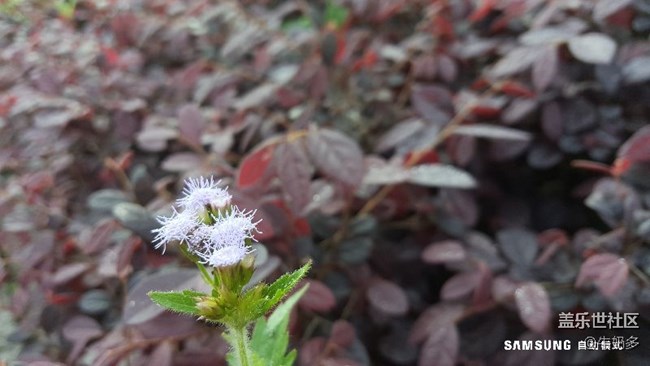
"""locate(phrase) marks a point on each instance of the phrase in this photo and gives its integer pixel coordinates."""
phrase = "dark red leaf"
(432, 102)
(534, 306)
(443, 252)
(399, 133)
(516, 89)
(436, 316)
(460, 285)
(343, 333)
(318, 298)
(545, 68)
(336, 156)
(637, 147)
(254, 167)
(607, 271)
(441, 348)
(607, 8)
(294, 171)
(552, 123)
(80, 330)
(387, 297)
(162, 355)
(190, 123)
(485, 7)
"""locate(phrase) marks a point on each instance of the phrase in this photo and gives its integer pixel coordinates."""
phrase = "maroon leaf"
(254, 167)
(552, 121)
(534, 306)
(434, 317)
(444, 252)
(518, 109)
(310, 352)
(343, 333)
(140, 309)
(607, 271)
(80, 330)
(432, 103)
(606, 8)
(336, 155)
(162, 355)
(318, 298)
(387, 297)
(545, 68)
(503, 288)
(441, 348)
(67, 272)
(399, 133)
(95, 239)
(294, 171)
(516, 61)
(460, 285)
(190, 123)
(257, 97)
(505, 150)
(637, 147)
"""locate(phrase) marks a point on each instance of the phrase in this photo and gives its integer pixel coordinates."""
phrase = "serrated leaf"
(181, 302)
(271, 337)
(440, 175)
(282, 286)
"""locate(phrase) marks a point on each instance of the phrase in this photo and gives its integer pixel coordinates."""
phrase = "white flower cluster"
(221, 243)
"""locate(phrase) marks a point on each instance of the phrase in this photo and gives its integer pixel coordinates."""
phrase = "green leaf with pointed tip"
(271, 338)
(281, 287)
(183, 302)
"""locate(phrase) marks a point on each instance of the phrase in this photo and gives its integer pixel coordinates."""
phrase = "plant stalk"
(241, 346)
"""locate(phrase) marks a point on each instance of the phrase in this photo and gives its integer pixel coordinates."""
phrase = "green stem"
(241, 346)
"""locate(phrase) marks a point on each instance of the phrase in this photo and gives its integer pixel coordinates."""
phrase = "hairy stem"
(242, 350)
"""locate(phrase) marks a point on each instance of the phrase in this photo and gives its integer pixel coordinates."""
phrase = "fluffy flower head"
(216, 232)
(177, 227)
(225, 241)
(201, 193)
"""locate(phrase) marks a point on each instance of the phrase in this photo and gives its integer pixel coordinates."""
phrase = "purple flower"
(201, 193)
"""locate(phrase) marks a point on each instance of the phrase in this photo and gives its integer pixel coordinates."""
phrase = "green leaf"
(181, 302)
(271, 338)
(335, 14)
(282, 286)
